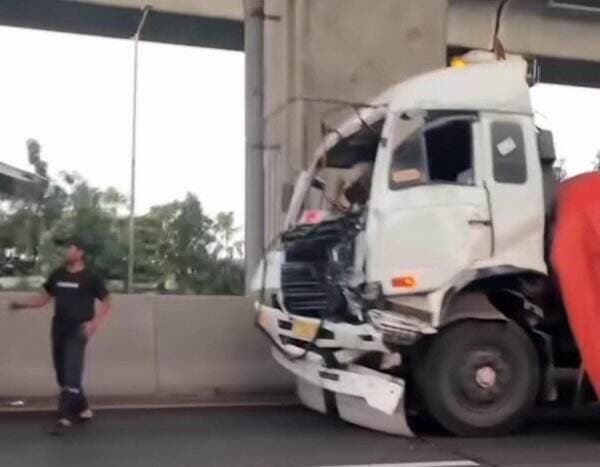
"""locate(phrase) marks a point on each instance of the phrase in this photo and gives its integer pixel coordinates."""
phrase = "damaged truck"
(413, 273)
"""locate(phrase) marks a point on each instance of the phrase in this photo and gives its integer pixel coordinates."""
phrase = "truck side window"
(449, 153)
(508, 148)
(408, 163)
(441, 154)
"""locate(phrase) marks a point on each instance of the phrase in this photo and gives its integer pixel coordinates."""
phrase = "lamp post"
(131, 258)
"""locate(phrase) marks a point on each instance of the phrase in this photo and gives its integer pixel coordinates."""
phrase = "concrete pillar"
(255, 200)
(322, 53)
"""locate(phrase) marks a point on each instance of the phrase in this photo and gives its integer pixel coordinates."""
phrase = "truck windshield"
(342, 177)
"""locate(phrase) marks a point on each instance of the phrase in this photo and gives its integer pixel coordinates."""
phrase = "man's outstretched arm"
(38, 301)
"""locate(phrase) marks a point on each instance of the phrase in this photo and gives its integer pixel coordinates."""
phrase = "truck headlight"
(397, 328)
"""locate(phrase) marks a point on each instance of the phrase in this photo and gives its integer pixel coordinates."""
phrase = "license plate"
(304, 330)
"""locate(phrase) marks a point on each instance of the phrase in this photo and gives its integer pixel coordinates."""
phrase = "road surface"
(282, 437)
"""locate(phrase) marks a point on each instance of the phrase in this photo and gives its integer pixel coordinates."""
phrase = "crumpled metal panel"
(355, 410)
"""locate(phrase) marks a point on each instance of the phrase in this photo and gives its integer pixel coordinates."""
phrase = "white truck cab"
(413, 263)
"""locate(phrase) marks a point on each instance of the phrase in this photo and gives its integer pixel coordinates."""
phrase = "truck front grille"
(304, 288)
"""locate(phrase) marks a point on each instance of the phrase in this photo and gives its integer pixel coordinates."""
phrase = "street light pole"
(131, 258)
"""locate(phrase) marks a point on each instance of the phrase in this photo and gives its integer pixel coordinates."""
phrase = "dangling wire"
(498, 47)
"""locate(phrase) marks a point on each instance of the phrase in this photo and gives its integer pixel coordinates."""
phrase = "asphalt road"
(286, 437)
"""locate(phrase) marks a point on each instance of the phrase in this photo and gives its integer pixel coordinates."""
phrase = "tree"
(597, 161)
(148, 265)
(36, 224)
(225, 233)
(87, 216)
(34, 150)
(560, 173)
(54, 204)
(175, 240)
(228, 277)
(178, 239)
(112, 200)
(186, 245)
(182, 235)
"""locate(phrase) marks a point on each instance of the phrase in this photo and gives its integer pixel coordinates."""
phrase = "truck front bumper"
(292, 332)
(357, 394)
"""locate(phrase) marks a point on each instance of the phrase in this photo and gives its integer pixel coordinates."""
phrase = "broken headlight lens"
(400, 329)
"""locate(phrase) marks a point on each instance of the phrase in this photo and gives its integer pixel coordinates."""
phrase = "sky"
(573, 115)
(73, 93)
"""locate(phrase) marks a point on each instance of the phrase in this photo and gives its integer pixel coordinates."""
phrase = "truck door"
(429, 217)
(516, 189)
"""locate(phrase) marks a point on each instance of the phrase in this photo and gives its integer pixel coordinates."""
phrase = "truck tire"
(479, 378)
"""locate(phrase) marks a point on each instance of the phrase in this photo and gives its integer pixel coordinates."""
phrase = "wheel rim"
(483, 379)
(480, 378)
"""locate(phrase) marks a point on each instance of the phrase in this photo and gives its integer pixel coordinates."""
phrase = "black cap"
(71, 241)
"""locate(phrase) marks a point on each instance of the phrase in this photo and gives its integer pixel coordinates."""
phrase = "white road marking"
(461, 463)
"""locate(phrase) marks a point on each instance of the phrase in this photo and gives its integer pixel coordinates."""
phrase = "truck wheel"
(479, 378)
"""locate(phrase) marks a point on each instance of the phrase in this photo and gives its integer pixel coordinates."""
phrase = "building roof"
(17, 183)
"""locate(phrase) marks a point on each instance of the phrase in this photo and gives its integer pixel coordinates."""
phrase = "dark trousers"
(68, 354)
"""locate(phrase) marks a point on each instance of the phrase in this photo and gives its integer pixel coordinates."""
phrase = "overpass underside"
(213, 27)
(561, 33)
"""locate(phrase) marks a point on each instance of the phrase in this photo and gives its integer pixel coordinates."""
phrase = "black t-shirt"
(75, 294)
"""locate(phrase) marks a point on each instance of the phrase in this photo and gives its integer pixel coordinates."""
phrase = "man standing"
(75, 290)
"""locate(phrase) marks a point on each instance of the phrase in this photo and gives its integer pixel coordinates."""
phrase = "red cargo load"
(576, 260)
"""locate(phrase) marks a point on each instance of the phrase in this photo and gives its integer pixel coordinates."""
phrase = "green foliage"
(179, 249)
(179, 240)
(560, 173)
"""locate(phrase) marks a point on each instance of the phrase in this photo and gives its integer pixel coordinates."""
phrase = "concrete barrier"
(156, 346)
(122, 356)
(208, 355)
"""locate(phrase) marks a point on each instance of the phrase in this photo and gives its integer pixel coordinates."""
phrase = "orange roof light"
(458, 62)
(407, 282)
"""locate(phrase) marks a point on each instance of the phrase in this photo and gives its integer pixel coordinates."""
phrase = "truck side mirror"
(546, 146)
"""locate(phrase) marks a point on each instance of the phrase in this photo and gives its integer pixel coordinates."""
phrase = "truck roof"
(497, 86)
